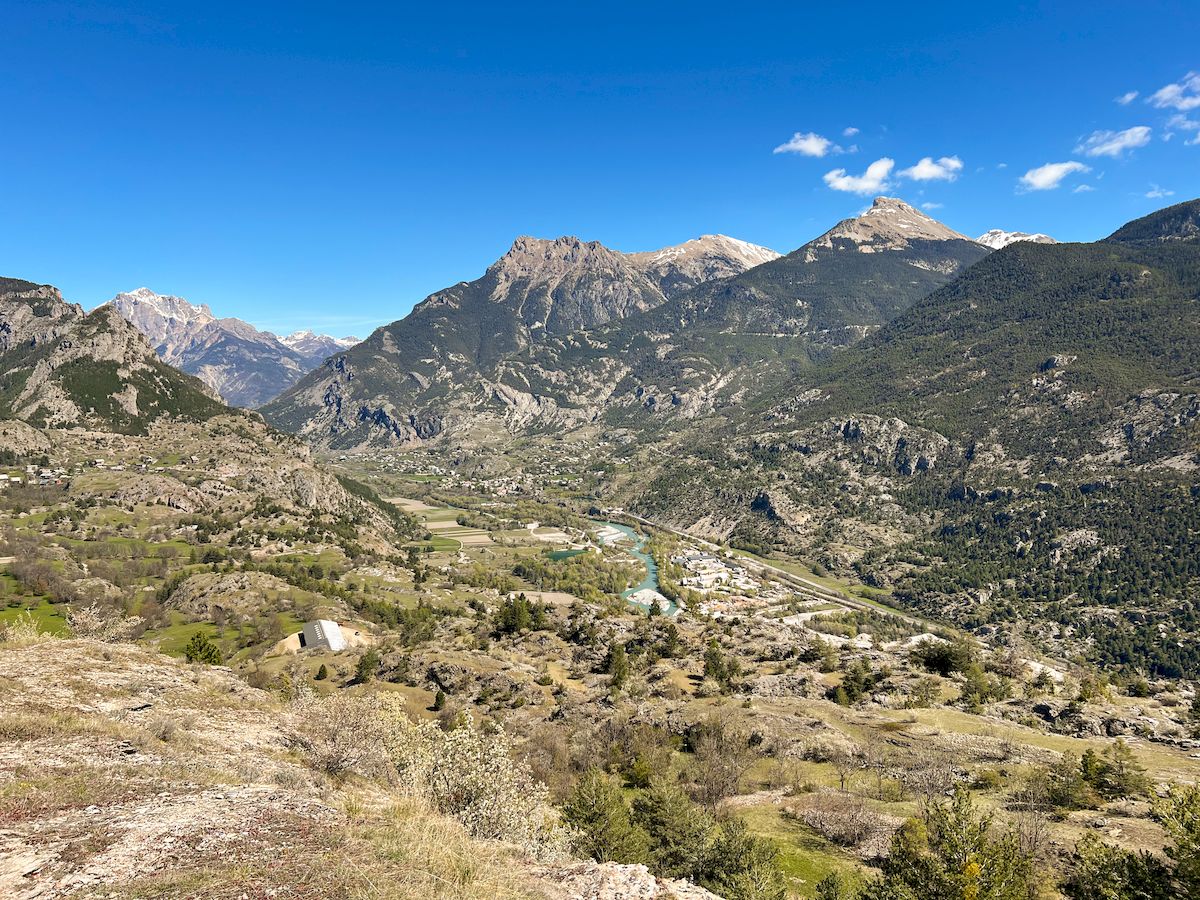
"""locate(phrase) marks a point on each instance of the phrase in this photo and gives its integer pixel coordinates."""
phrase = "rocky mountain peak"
(997, 238)
(165, 305)
(531, 257)
(311, 344)
(749, 255)
(564, 284)
(244, 365)
(889, 224)
(161, 317)
(66, 365)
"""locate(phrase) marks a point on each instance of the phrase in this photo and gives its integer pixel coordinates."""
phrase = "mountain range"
(246, 366)
(563, 332)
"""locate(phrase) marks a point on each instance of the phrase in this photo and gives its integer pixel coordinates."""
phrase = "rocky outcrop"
(614, 881)
(138, 487)
(32, 314)
(891, 443)
(23, 440)
(233, 597)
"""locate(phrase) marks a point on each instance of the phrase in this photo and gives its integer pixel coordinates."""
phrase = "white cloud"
(1001, 165)
(945, 169)
(809, 144)
(1157, 193)
(870, 182)
(1126, 98)
(1183, 123)
(931, 205)
(1050, 176)
(1083, 189)
(1114, 143)
(1181, 95)
(849, 132)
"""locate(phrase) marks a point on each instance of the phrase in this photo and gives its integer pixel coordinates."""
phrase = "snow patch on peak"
(308, 342)
(997, 238)
(741, 254)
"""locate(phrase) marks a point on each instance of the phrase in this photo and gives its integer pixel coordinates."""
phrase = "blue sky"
(327, 165)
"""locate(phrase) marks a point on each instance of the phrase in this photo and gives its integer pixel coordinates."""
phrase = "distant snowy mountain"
(246, 366)
(997, 238)
(316, 347)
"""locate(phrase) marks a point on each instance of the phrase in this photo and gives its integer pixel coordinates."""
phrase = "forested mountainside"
(1020, 445)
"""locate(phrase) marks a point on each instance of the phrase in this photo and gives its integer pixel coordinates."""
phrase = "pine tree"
(617, 666)
(201, 649)
(322, 673)
(598, 812)
(742, 866)
(681, 833)
(368, 667)
(954, 856)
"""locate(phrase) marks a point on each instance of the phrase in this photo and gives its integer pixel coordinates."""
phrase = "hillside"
(61, 368)
(245, 366)
(158, 778)
(986, 454)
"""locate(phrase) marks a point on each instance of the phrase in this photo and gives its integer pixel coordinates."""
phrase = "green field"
(48, 616)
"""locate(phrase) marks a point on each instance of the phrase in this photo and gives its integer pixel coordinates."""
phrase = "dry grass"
(32, 724)
(396, 851)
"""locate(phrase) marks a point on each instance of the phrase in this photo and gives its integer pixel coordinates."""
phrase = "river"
(637, 543)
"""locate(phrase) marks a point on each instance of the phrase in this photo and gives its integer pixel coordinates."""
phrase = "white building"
(322, 634)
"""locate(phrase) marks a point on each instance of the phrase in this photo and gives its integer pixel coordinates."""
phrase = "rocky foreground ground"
(126, 773)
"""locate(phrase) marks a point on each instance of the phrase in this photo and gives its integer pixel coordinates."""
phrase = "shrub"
(843, 819)
(471, 776)
(93, 622)
(24, 630)
(343, 735)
